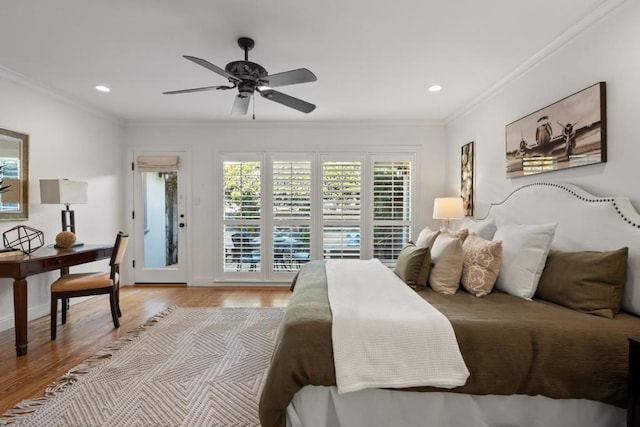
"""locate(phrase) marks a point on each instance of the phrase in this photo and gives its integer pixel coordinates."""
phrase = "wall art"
(466, 178)
(566, 134)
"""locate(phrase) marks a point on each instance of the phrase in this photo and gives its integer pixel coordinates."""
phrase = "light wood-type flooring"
(89, 328)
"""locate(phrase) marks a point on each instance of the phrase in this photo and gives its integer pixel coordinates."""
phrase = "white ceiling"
(374, 59)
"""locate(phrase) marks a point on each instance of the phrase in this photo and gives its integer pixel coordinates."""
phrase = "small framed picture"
(466, 178)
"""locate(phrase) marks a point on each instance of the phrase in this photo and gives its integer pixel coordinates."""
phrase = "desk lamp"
(64, 192)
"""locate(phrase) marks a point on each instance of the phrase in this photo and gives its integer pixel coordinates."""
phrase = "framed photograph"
(566, 134)
(466, 178)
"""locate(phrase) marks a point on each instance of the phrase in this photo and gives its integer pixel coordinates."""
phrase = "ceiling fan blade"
(240, 105)
(287, 100)
(293, 77)
(197, 89)
(208, 65)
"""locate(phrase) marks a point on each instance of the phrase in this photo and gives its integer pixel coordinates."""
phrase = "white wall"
(65, 141)
(605, 51)
(205, 142)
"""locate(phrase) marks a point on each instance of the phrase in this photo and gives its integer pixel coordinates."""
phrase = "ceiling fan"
(250, 77)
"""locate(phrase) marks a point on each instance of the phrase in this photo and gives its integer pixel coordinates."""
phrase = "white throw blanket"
(384, 335)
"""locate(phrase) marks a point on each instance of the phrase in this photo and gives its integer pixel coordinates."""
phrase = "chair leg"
(118, 302)
(65, 307)
(114, 308)
(54, 316)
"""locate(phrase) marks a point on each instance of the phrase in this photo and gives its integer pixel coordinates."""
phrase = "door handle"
(181, 225)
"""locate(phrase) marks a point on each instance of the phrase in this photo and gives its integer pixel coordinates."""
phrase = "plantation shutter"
(291, 185)
(341, 208)
(391, 208)
(242, 215)
(291, 189)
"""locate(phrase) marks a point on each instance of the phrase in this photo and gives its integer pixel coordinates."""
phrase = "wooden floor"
(89, 328)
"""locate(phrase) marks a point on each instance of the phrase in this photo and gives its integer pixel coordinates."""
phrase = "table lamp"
(64, 192)
(448, 208)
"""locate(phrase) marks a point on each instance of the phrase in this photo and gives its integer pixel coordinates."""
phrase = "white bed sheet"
(319, 406)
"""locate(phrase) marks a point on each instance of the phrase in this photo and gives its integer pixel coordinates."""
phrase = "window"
(391, 208)
(242, 215)
(341, 208)
(291, 240)
(282, 210)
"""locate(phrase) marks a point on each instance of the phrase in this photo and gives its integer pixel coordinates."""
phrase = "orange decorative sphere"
(65, 239)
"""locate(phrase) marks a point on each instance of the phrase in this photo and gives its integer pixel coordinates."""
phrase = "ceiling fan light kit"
(249, 77)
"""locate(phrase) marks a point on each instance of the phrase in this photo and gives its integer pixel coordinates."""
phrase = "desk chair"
(84, 284)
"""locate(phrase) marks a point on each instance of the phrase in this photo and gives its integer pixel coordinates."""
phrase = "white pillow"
(426, 238)
(446, 264)
(485, 228)
(524, 253)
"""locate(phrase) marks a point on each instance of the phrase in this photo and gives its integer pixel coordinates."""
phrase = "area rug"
(183, 367)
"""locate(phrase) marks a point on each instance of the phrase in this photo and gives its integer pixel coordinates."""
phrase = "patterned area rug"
(184, 367)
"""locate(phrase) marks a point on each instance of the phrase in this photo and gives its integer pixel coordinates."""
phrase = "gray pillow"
(413, 265)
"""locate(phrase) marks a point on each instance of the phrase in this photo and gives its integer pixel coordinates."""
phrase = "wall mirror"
(14, 175)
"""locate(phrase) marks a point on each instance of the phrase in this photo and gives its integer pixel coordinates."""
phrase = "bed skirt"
(320, 406)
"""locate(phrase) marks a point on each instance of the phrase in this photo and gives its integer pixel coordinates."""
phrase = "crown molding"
(246, 124)
(31, 84)
(600, 12)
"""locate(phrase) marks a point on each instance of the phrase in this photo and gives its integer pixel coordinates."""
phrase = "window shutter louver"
(291, 185)
(242, 215)
(391, 208)
(341, 202)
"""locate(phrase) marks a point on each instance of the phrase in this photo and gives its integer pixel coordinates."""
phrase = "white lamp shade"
(448, 208)
(63, 192)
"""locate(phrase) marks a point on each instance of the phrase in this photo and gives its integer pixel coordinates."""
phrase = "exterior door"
(159, 218)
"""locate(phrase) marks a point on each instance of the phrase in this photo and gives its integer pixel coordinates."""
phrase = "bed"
(531, 362)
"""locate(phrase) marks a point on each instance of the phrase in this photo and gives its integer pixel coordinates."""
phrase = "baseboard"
(33, 313)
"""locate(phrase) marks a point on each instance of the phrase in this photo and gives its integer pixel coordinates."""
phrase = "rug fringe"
(27, 407)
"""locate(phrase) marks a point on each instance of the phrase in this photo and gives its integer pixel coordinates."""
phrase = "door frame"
(185, 175)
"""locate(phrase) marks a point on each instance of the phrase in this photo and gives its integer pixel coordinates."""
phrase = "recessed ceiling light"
(435, 88)
(102, 88)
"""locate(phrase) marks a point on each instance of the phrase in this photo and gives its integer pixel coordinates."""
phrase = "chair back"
(119, 248)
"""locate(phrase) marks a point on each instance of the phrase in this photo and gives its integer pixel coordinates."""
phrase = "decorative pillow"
(461, 234)
(485, 228)
(413, 265)
(524, 252)
(446, 268)
(426, 238)
(480, 265)
(589, 282)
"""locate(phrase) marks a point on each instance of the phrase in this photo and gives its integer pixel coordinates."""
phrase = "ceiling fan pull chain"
(254, 107)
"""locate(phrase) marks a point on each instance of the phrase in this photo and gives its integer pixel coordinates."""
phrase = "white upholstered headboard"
(585, 222)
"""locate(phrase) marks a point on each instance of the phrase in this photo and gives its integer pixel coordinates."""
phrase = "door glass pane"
(160, 191)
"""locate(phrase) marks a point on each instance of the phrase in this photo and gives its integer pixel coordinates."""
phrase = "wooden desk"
(40, 261)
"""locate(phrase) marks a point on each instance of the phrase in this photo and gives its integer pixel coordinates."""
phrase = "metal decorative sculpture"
(23, 238)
